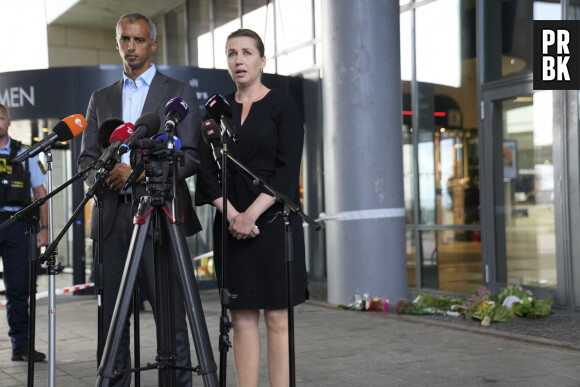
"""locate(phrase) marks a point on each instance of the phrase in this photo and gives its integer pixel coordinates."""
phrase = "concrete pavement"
(333, 348)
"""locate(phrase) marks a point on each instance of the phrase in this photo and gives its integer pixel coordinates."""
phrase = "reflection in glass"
(410, 253)
(451, 264)
(429, 267)
(296, 61)
(438, 43)
(406, 45)
(508, 49)
(289, 33)
(459, 261)
(440, 144)
(528, 190)
(408, 175)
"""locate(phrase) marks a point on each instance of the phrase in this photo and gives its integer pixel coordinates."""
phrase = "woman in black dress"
(270, 142)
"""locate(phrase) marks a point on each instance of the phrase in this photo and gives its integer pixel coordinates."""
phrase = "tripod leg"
(123, 302)
(136, 335)
(165, 305)
(99, 280)
(190, 293)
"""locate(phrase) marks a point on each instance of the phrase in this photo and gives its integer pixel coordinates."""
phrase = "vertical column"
(363, 164)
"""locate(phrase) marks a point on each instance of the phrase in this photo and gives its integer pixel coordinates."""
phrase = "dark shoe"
(21, 354)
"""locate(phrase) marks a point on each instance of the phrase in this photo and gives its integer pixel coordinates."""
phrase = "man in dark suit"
(142, 90)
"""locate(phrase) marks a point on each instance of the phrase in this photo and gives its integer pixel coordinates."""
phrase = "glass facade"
(508, 48)
(290, 47)
(526, 202)
(440, 145)
(480, 168)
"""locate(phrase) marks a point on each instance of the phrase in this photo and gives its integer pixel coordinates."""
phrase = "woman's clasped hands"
(242, 226)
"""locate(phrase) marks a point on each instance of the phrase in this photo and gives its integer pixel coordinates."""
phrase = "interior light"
(436, 114)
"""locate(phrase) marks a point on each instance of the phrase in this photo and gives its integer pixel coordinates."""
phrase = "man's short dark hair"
(133, 17)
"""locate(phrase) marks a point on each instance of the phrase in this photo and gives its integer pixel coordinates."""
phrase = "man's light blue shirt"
(134, 95)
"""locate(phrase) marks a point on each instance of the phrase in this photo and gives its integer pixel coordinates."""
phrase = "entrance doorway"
(519, 192)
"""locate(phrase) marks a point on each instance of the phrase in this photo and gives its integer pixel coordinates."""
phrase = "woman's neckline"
(259, 98)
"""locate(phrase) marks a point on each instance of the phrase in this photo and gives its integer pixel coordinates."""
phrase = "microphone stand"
(32, 229)
(225, 295)
(51, 269)
(289, 209)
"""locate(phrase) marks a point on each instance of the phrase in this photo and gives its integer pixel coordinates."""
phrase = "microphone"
(122, 133)
(219, 109)
(65, 130)
(176, 140)
(210, 131)
(175, 111)
(143, 145)
(106, 130)
(146, 126)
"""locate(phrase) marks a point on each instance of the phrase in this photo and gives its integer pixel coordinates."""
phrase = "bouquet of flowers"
(431, 304)
(377, 304)
(483, 304)
(523, 303)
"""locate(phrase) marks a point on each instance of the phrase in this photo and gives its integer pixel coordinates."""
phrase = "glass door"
(519, 176)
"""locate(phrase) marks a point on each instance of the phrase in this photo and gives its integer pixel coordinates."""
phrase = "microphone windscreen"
(151, 121)
(210, 131)
(121, 133)
(217, 106)
(106, 130)
(178, 106)
(70, 127)
(176, 140)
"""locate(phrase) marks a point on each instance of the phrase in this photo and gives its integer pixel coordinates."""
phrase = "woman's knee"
(276, 320)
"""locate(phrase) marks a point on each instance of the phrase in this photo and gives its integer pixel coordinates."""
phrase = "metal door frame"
(494, 264)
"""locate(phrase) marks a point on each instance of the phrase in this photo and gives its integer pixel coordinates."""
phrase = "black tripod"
(157, 210)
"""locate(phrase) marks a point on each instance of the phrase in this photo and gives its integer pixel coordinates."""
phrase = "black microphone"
(106, 130)
(176, 110)
(134, 175)
(65, 130)
(145, 144)
(210, 131)
(219, 109)
(146, 126)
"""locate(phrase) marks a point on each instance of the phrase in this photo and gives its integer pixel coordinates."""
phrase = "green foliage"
(533, 308)
(430, 304)
(513, 290)
(481, 304)
(494, 310)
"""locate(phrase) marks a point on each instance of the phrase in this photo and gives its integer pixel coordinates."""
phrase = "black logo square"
(556, 55)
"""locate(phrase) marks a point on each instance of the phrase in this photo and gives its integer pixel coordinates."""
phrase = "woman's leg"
(278, 357)
(246, 346)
